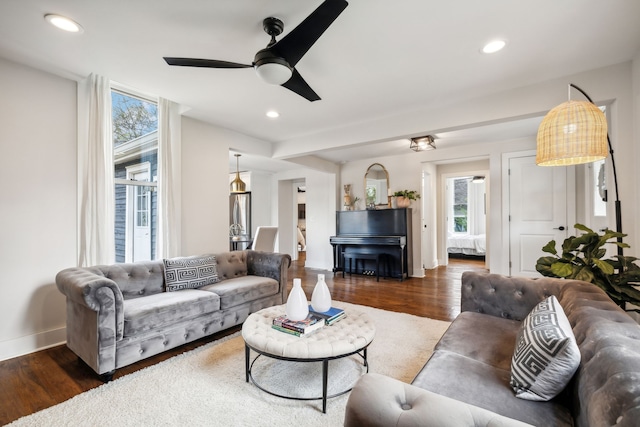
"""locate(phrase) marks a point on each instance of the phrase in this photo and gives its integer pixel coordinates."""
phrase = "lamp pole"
(618, 208)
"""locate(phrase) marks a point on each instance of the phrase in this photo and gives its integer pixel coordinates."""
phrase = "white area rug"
(206, 386)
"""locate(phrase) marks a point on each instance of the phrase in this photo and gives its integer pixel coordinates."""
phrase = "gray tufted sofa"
(466, 380)
(120, 314)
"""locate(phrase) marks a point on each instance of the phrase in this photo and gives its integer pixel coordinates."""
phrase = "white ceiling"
(378, 58)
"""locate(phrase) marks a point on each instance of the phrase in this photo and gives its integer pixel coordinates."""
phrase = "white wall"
(205, 187)
(38, 205)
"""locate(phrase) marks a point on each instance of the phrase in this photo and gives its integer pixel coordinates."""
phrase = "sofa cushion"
(546, 354)
(237, 291)
(493, 346)
(480, 384)
(190, 272)
(159, 310)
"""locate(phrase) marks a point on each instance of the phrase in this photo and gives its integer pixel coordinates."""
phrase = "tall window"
(135, 144)
(459, 193)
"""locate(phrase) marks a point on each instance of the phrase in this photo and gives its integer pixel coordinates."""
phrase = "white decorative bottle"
(321, 297)
(297, 306)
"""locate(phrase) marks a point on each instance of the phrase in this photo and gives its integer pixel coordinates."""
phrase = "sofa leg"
(107, 376)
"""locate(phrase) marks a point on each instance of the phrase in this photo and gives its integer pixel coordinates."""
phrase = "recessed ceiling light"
(63, 23)
(272, 114)
(494, 46)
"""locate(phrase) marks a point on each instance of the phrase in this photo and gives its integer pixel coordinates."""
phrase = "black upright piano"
(384, 231)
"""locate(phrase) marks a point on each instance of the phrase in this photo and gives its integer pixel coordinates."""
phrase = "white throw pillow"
(190, 272)
(546, 354)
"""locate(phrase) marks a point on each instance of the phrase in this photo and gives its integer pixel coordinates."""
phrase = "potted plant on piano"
(404, 197)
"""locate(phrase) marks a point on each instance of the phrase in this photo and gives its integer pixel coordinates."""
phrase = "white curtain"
(169, 159)
(95, 173)
(476, 209)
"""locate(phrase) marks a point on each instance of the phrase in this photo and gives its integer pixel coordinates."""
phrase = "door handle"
(561, 228)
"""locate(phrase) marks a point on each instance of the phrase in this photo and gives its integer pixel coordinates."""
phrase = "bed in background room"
(467, 244)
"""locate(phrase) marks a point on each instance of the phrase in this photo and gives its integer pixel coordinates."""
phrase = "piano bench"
(359, 256)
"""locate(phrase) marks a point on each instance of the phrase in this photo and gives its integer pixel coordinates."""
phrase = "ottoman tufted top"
(351, 334)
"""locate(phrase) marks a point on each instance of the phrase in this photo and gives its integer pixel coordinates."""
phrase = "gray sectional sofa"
(466, 382)
(122, 313)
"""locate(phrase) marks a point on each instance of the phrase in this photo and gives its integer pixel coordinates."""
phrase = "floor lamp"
(575, 132)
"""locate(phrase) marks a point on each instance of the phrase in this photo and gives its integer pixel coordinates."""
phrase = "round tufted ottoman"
(351, 335)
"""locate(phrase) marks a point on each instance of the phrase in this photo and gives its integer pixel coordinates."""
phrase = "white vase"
(297, 306)
(321, 297)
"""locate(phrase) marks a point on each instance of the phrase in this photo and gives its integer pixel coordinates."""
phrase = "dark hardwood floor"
(39, 380)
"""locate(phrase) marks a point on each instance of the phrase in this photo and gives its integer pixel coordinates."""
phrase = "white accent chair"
(265, 239)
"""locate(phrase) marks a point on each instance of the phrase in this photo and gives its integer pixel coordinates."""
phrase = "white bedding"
(467, 244)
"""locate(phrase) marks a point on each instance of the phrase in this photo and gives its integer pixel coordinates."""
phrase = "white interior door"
(538, 212)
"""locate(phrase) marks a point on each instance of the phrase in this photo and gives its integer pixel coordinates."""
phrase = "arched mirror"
(376, 186)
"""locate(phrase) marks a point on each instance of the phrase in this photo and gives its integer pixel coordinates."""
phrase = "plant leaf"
(582, 227)
(604, 266)
(550, 248)
(561, 269)
(543, 265)
(585, 274)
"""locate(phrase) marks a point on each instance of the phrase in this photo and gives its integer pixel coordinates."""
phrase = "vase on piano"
(402, 202)
(297, 307)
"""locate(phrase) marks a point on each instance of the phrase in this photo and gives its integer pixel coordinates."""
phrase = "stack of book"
(298, 327)
(330, 317)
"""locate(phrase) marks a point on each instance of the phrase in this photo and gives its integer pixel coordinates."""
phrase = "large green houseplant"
(581, 259)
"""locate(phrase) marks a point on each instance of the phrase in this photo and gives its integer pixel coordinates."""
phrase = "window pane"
(460, 205)
(460, 210)
(460, 191)
(460, 224)
(135, 143)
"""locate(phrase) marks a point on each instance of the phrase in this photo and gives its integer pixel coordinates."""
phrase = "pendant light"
(572, 133)
(575, 132)
(237, 185)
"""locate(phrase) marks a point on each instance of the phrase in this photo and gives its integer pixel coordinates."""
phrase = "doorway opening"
(465, 216)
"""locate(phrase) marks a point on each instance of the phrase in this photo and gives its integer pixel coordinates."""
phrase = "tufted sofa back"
(605, 390)
(135, 279)
(138, 279)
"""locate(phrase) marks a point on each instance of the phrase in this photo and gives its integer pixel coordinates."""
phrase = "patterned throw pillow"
(546, 354)
(190, 272)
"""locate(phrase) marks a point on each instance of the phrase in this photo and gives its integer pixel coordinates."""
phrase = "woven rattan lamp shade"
(572, 133)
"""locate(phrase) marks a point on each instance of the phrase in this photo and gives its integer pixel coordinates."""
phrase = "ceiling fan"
(275, 63)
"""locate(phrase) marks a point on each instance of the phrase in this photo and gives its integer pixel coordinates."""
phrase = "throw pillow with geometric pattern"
(546, 354)
(190, 272)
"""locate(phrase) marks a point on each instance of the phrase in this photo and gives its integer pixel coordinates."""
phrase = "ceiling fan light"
(274, 73)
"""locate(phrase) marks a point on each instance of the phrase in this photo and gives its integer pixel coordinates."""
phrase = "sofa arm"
(94, 291)
(377, 400)
(272, 265)
(507, 297)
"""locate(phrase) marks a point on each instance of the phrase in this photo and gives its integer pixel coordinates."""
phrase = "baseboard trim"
(32, 343)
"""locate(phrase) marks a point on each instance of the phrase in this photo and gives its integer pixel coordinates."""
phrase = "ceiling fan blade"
(294, 45)
(297, 84)
(206, 63)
